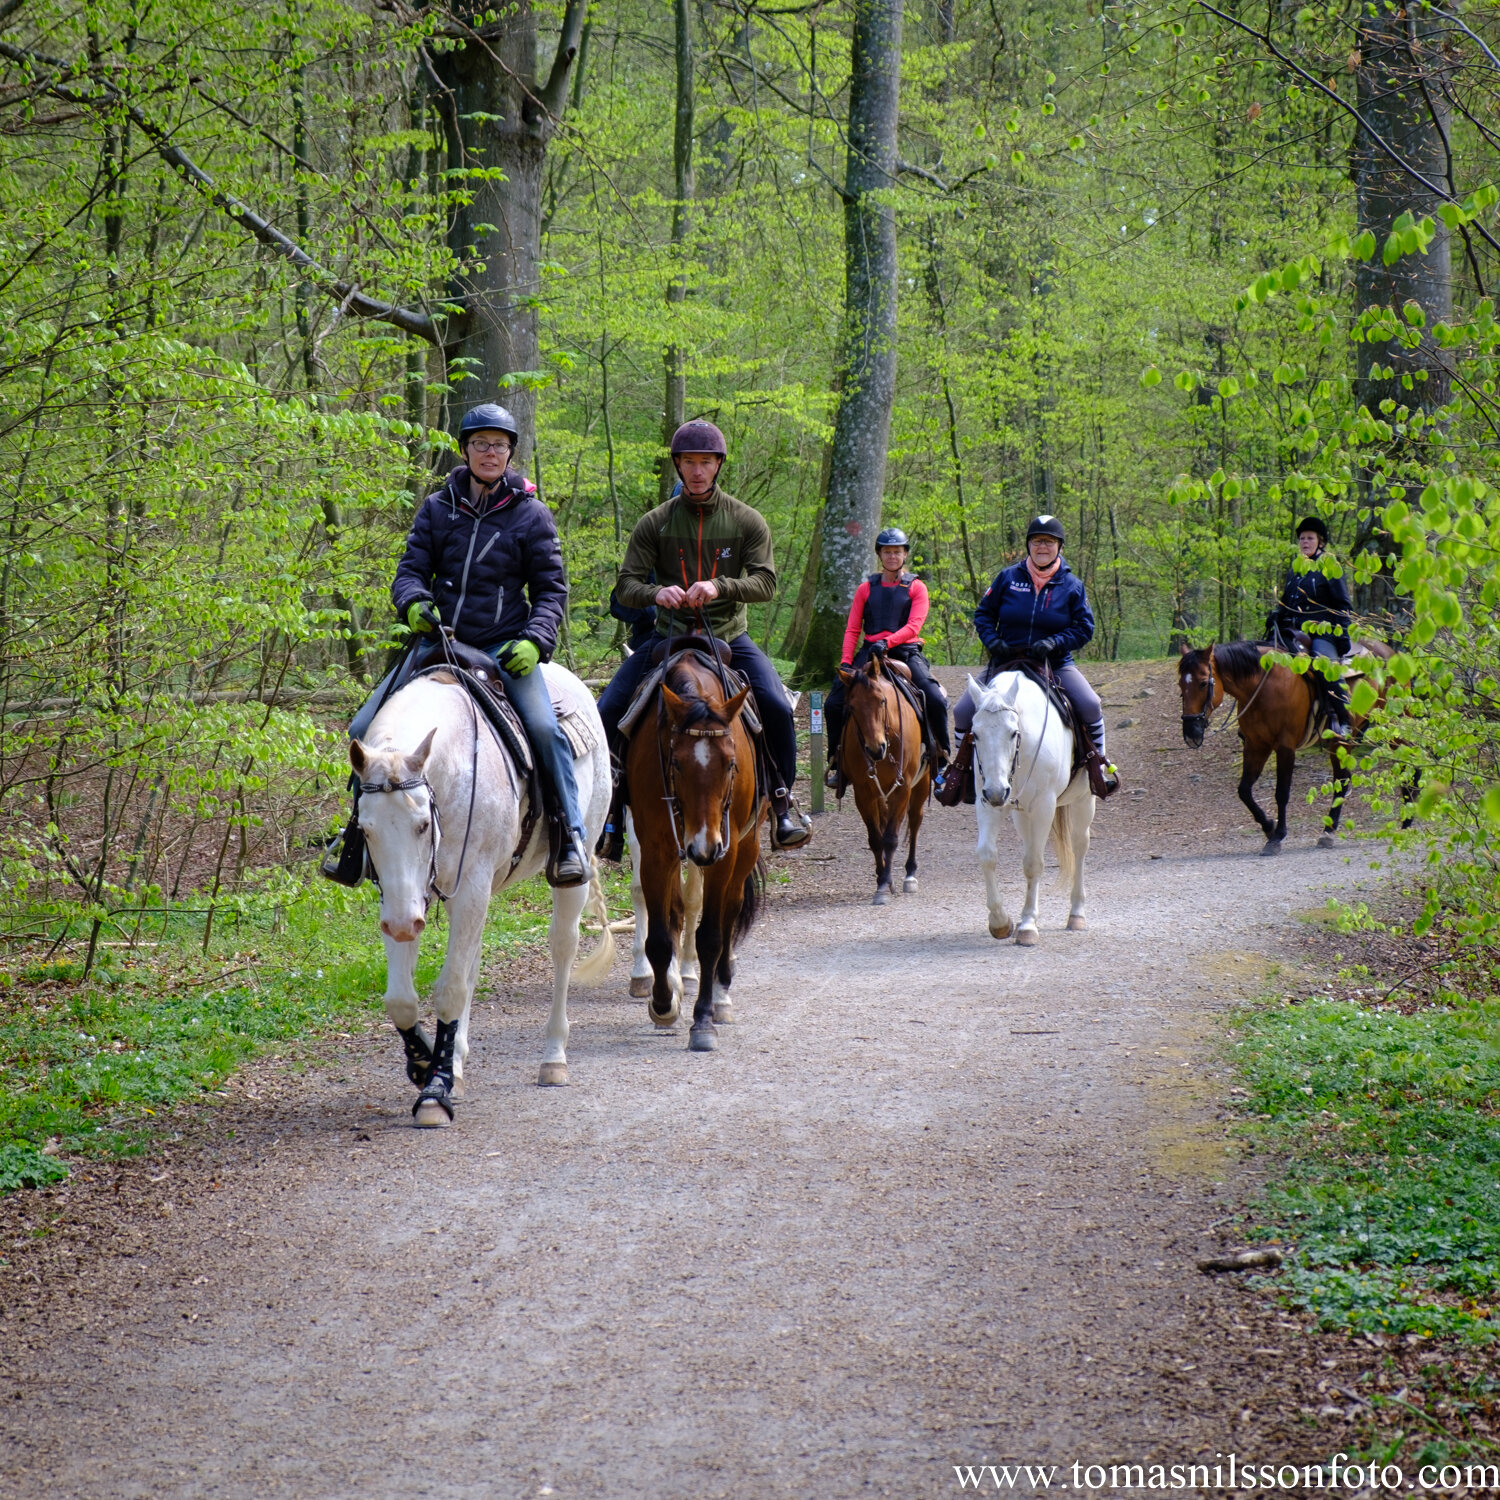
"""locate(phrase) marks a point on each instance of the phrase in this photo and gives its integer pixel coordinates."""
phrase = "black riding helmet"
(1046, 526)
(486, 417)
(699, 437)
(892, 536)
(1312, 523)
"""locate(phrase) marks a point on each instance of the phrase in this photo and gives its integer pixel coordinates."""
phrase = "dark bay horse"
(690, 775)
(881, 756)
(1278, 711)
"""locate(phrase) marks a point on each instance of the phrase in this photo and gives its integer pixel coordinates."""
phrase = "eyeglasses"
(489, 447)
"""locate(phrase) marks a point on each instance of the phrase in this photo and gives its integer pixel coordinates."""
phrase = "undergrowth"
(92, 1065)
(1388, 1129)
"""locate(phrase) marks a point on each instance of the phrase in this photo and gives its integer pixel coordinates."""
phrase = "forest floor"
(936, 1201)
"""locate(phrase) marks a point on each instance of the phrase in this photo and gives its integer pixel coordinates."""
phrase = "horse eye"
(423, 826)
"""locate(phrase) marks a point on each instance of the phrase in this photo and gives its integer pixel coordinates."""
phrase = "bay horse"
(1277, 711)
(440, 806)
(883, 734)
(1023, 760)
(691, 783)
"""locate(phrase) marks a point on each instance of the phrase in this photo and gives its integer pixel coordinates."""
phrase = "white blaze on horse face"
(700, 753)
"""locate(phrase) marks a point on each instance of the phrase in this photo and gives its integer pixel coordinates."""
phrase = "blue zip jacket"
(1012, 614)
(496, 574)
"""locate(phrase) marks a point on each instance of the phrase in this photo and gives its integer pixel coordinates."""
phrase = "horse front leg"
(1251, 767)
(402, 1006)
(640, 965)
(915, 807)
(1285, 761)
(451, 997)
(562, 939)
(661, 882)
(723, 895)
(989, 860)
(1033, 824)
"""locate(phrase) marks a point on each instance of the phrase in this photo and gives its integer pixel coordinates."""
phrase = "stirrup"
(1104, 779)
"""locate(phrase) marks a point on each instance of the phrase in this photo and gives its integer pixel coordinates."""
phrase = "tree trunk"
(674, 413)
(856, 480)
(500, 118)
(1402, 96)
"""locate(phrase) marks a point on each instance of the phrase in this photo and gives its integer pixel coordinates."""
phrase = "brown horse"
(1278, 711)
(690, 776)
(881, 755)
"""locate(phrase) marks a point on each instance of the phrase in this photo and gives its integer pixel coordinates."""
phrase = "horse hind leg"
(640, 965)
(692, 913)
(723, 978)
(913, 828)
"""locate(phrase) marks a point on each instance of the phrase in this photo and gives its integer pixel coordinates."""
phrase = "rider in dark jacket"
(1318, 604)
(1037, 609)
(483, 557)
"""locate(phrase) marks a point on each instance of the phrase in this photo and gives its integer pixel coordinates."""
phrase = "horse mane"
(697, 709)
(1240, 657)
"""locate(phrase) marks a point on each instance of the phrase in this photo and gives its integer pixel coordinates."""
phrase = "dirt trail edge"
(937, 1200)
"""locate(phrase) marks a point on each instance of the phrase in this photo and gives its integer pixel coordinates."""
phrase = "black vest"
(887, 610)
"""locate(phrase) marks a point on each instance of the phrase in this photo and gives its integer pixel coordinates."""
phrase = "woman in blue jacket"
(1037, 608)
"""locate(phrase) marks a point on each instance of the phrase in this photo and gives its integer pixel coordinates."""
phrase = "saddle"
(663, 654)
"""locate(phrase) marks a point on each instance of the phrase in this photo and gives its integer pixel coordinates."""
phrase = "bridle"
(1201, 721)
(900, 758)
(1014, 800)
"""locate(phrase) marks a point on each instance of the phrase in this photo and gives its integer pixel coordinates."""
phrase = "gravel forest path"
(936, 1200)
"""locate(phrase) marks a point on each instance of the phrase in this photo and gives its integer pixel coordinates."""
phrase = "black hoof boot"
(434, 1106)
(418, 1055)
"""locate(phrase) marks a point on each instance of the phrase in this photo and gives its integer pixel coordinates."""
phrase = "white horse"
(684, 972)
(430, 750)
(1023, 760)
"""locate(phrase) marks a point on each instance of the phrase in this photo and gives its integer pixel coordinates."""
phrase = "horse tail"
(1062, 842)
(750, 902)
(596, 964)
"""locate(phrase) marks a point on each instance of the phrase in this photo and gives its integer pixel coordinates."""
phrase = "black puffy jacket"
(494, 574)
(1313, 598)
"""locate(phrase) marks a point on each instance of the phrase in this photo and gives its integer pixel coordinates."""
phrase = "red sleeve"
(855, 628)
(912, 630)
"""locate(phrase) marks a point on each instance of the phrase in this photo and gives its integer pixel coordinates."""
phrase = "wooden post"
(815, 748)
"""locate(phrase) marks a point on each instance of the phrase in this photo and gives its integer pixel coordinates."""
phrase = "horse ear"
(359, 757)
(872, 667)
(735, 704)
(976, 689)
(418, 757)
(676, 707)
(1009, 696)
(846, 674)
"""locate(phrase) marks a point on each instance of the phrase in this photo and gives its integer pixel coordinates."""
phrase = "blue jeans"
(533, 705)
(747, 659)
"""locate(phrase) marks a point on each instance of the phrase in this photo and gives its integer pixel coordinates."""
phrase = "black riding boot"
(788, 830)
(1338, 710)
(568, 862)
(958, 779)
(611, 845)
(439, 1087)
(344, 859)
(833, 740)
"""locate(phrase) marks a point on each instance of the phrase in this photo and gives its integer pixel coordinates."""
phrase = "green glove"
(423, 616)
(519, 658)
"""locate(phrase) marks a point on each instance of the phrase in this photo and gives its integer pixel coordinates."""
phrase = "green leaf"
(1413, 313)
(1492, 805)
(1364, 697)
(1150, 376)
(1364, 247)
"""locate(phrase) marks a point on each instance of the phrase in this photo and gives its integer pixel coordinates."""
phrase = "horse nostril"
(418, 925)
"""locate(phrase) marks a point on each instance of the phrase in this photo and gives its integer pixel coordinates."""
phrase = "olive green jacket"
(725, 540)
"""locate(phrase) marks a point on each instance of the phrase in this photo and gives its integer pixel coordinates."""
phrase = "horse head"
(1201, 693)
(865, 692)
(997, 738)
(700, 751)
(398, 817)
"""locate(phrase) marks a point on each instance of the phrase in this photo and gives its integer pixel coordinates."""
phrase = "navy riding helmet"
(485, 417)
(892, 536)
(1046, 526)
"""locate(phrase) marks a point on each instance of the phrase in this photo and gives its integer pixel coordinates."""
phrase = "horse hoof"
(1273, 846)
(723, 1012)
(667, 1018)
(882, 896)
(1001, 931)
(1077, 924)
(430, 1115)
(689, 987)
(457, 1091)
(909, 886)
(1328, 841)
(1026, 937)
(702, 1039)
(640, 989)
(552, 1075)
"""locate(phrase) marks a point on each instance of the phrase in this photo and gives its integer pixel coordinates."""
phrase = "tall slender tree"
(856, 474)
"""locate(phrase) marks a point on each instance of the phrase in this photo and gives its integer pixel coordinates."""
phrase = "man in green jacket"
(712, 552)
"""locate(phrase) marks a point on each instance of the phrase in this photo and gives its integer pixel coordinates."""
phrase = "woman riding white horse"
(440, 806)
(1023, 761)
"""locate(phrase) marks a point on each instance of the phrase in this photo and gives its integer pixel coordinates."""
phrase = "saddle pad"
(646, 693)
(578, 727)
